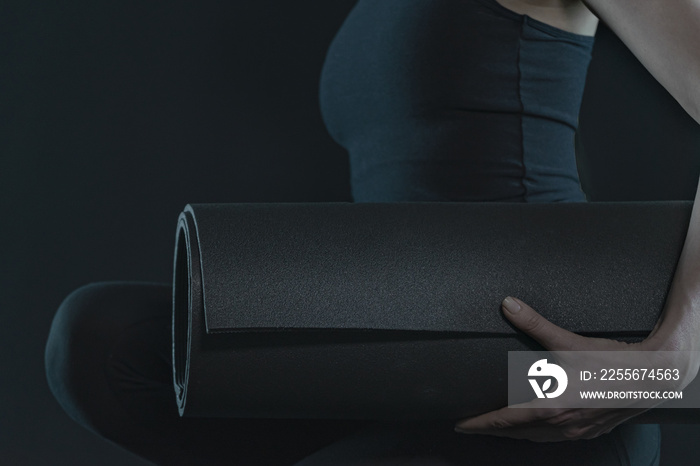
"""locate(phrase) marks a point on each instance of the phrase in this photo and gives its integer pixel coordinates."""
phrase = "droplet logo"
(542, 368)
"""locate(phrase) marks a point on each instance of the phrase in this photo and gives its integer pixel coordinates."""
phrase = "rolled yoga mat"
(392, 311)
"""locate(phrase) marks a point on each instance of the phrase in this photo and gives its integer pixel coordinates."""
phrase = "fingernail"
(460, 431)
(511, 305)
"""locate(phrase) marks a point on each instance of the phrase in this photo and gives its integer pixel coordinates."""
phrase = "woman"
(441, 100)
(472, 101)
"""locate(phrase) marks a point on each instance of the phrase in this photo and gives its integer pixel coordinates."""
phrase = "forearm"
(665, 36)
(679, 325)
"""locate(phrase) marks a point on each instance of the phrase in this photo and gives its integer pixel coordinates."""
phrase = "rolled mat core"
(392, 311)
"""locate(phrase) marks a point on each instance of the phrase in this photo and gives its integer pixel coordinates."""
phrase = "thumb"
(525, 318)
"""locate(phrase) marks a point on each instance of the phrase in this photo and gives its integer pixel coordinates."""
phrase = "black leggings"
(108, 363)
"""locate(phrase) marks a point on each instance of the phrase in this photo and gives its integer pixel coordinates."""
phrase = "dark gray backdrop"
(114, 115)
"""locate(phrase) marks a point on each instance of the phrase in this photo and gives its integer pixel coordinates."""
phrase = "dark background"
(114, 115)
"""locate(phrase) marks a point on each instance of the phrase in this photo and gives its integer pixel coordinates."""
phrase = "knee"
(82, 333)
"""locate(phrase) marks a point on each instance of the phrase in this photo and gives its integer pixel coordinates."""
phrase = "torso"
(455, 100)
(569, 15)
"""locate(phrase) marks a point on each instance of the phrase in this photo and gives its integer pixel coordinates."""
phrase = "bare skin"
(569, 15)
(665, 36)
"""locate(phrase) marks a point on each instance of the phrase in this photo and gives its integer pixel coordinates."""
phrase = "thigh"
(108, 362)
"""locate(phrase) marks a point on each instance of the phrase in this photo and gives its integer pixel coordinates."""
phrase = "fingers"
(504, 418)
(537, 424)
(519, 423)
(552, 337)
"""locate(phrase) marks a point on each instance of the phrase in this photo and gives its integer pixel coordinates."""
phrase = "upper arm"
(665, 36)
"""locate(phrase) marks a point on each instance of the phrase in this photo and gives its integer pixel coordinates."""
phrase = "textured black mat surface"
(392, 311)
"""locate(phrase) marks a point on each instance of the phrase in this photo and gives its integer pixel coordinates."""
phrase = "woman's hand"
(538, 420)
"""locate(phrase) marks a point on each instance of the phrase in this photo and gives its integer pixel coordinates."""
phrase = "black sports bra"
(455, 100)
